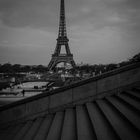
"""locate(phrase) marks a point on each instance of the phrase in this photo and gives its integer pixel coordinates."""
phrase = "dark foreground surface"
(114, 117)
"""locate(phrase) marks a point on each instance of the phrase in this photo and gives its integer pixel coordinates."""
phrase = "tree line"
(17, 68)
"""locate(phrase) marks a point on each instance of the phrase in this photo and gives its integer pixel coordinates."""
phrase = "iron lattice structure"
(62, 40)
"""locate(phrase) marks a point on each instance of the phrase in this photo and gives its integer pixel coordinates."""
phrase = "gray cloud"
(44, 13)
(33, 13)
(99, 30)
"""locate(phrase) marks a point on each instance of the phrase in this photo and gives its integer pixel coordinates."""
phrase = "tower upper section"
(62, 23)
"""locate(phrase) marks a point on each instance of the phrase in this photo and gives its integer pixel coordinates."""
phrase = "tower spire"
(62, 22)
(62, 41)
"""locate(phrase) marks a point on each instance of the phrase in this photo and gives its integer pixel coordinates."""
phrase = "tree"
(26, 68)
(136, 58)
(6, 68)
(110, 67)
(16, 68)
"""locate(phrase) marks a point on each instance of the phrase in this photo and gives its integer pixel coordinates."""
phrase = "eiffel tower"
(62, 41)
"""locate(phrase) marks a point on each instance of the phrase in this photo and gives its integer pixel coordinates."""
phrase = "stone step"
(101, 125)
(12, 133)
(133, 93)
(23, 130)
(34, 128)
(84, 127)
(69, 125)
(44, 128)
(5, 131)
(136, 89)
(135, 104)
(56, 127)
(128, 113)
(120, 125)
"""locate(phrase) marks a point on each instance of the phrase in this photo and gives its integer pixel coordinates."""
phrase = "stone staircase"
(113, 117)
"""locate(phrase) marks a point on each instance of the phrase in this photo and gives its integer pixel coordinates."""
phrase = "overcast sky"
(100, 31)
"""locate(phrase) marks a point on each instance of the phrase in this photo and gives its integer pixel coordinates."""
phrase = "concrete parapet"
(64, 98)
(84, 91)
